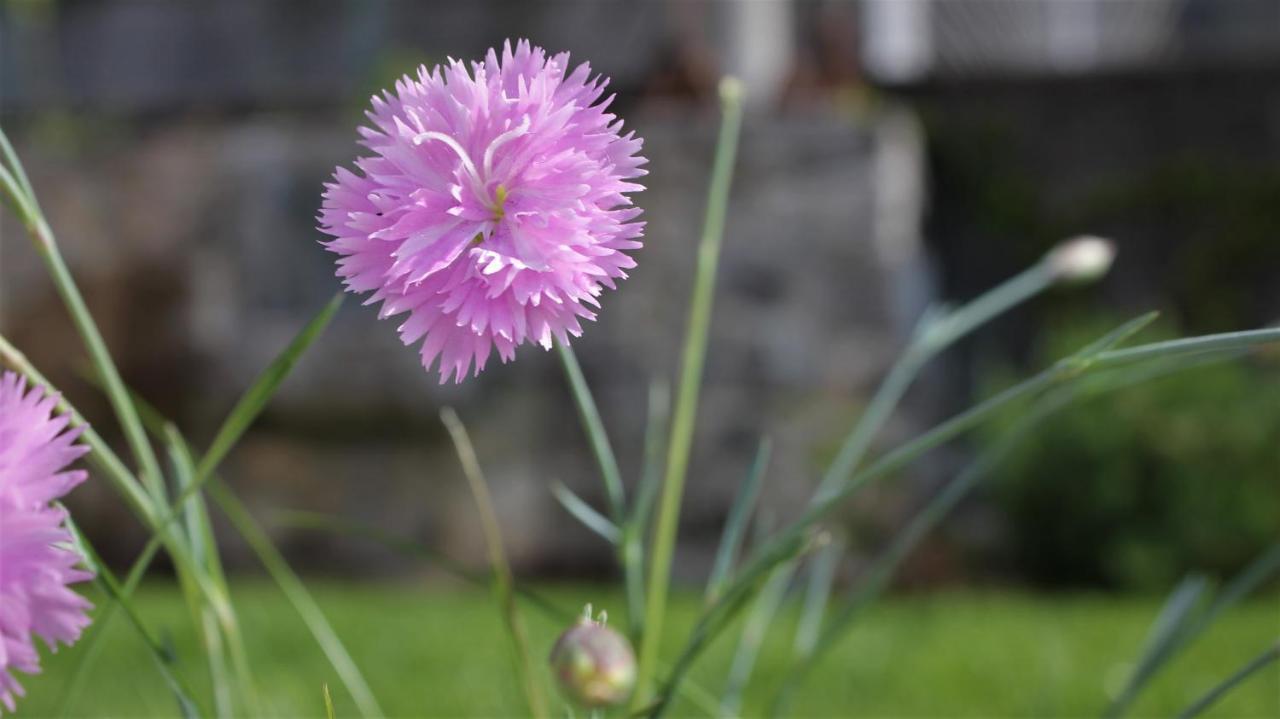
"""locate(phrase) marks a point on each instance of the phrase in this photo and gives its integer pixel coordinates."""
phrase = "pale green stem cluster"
(180, 527)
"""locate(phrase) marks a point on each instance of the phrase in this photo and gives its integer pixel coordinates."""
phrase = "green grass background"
(440, 651)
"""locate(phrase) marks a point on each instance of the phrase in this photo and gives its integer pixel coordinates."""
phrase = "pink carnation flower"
(36, 561)
(493, 210)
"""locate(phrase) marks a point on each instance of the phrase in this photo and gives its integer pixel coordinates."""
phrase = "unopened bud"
(1081, 259)
(593, 664)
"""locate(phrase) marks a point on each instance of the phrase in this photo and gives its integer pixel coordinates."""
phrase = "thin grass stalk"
(1176, 637)
(503, 581)
(1268, 655)
(245, 411)
(686, 407)
(298, 595)
(218, 617)
(1174, 616)
(791, 540)
(196, 588)
(936, 332)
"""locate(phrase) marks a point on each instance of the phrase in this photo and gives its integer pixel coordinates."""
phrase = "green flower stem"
(503, 581)
(628, 546)
(47, 247)
(600, 445)
(686, 407)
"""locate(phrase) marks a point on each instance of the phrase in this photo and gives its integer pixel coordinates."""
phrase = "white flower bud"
(1081, 259)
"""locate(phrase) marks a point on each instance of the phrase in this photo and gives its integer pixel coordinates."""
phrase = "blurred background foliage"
(1131, 490)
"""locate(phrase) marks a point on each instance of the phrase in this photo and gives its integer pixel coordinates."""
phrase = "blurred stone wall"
(180, 163)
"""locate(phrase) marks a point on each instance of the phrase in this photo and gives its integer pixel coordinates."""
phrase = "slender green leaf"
(736, 523)
(1253, 666)
(163, 659)
(822, 574)
(47, 247)
(1167, 641)
(252, 402)
(753, 635)
(298, 595)
(1223, 342)
(15, 165)
(584, 513)
(1174, 617)
(591, 422)
(651, 473)
(790, 541)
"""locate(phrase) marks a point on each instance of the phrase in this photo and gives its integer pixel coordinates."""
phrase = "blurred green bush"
(1131, 490)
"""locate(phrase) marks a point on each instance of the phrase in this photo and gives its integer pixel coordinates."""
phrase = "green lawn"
(441, 652)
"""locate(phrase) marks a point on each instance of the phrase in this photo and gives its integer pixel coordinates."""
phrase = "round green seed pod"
(594, 665)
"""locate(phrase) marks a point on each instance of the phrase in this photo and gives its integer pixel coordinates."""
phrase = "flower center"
(499, 202)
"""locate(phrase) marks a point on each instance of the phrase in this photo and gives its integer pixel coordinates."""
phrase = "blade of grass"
(1268, 655)
(1176, 613)
(878, 574)
(789, 541)
(298, 596)
(328, 702)
(1157, 654)
(736, 523)
(753, 635)
(503, 581)
(584, 513)
(636, 528)
(686, 407)
(822, 574)
(47, 247)
(163, 659)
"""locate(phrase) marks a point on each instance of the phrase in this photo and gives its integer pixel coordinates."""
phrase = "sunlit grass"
(441, 651)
